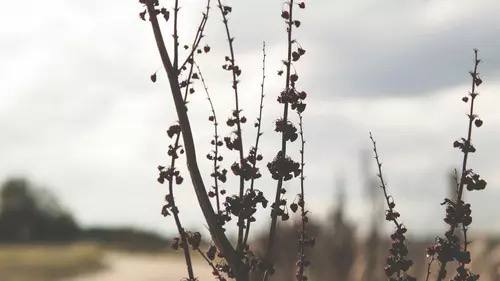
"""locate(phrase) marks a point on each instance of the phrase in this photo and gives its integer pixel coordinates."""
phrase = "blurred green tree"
(28, 214)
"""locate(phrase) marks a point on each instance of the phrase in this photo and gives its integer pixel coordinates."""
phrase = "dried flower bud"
(478, 123)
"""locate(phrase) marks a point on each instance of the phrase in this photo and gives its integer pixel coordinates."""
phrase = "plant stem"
(199, 35)
(274, 214)
(382, 182)
(216, 140)
(217, 233)
(429, 264)
(301, 266)
(215, 271)
(176, 36)
(259, 125)
(442, 268)
(241, 223)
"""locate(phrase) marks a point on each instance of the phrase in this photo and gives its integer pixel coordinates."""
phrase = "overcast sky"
(79, 115)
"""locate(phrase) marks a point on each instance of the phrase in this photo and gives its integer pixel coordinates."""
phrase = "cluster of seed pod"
(397, 262)
(283, 167)
(458, 213)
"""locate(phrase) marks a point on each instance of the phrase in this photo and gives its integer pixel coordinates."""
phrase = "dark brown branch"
(176, 35)
(215, 271)
(175, 210)
(464, 228)
(216, 140)
(303, 214)
(216, 231)
(397, 262)
(429, 265)
(234, 68)
(259, 133)
(180, 229)
(199, 35)
(387, 197)
(274, 214)
(442, 268)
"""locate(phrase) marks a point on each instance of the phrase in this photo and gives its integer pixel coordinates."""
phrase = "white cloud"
(79, 114)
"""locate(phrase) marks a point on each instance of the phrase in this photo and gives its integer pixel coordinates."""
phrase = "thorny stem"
(382, 182)
(274, 214)
(199, 35)
(210, 263)
(216, 231)
(216, 140)
(429, 265)
(176, 35)
(175, 212)
(259, 123)
(230, 40)
(302, 206)
(464, 228)
(180, 229)
(391, 215)
(442, 269)
(469, 131)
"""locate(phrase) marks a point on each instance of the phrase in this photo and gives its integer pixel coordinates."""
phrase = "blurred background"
(83, 130)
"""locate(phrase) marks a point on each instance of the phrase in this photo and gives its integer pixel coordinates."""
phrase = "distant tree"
(337, 243)
(28, 214)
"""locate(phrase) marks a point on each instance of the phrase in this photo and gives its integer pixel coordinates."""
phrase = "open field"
(143, 267)
(48, 262)
(90, 262)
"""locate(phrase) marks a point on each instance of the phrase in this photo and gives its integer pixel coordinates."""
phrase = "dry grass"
(48, 262)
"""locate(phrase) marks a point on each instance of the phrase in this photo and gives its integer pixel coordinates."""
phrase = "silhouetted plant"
(458, 213)
(283, 168)
(304, 240)
(449, 248)
(235, 261)
(397, 263)
(254, 155)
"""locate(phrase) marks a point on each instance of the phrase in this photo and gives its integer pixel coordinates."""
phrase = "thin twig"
(215, 271)
(397, 262)
(176, 35)
(442, 269)
(199, 35)
(216, 231)
(301, 264)
(429, 265)
(174, 208)
(274, 214)
(259, 125)
(216, 140)
(241, 223)
(382, 182)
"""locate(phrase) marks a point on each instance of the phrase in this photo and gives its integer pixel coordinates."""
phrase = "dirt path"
(128, 267)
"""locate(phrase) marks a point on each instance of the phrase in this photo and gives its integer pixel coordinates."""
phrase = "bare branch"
(197, 38)
(274, 213)
(216, 231)
(259, 133)
(236, 72)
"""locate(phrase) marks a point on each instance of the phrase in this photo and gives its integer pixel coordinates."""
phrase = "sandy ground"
(128, 267)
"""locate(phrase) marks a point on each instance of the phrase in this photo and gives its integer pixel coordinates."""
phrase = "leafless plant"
(236, 261)
(458, 213)
(449, 248)
(397, 263)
